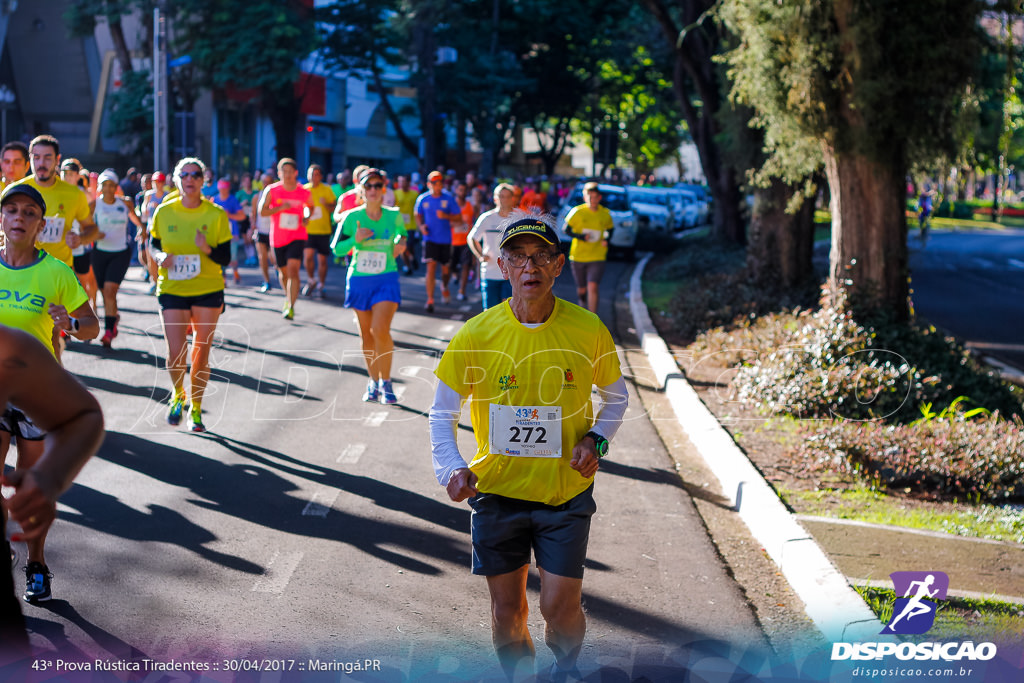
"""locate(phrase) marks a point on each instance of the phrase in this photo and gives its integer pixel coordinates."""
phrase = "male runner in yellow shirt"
(318, 232)
(590, 226)
(527, 367)
(65, 203)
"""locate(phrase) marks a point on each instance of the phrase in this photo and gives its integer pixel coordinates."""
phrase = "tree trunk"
(869, 234)
(120, 45)
(780, 244)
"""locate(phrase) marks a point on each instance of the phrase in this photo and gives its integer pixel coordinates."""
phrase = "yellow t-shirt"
(27, 292)
(65, 204)
(595, 226)
(405, 201)
(320, 220)
(192, 272)
(495, 360)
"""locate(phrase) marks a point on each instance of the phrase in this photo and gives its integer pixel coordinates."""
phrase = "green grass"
(659, 293)
(976, 619)
(867, 505)
(823, 221)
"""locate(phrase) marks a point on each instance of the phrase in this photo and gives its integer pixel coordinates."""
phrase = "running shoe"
(308, 289)
(288, 313)
(387, 394)
(461, 296)
(265, 287)
(195, 421)
(152, 289)
(174, 414)
(429, 308)
(446, 297)
(37, 582)
(238, 277)
(372, 394)
(107, 338)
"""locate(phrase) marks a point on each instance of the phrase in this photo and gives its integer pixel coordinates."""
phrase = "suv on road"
(615, 199)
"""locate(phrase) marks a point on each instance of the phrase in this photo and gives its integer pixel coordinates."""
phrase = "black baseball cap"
(528, 226)
(27, 190)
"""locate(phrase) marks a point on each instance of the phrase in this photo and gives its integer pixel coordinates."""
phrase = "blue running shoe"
(372, 394)
(37, 580)
(174, 414)
(387, 394)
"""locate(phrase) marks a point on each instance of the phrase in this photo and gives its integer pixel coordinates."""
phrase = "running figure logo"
(914, 613)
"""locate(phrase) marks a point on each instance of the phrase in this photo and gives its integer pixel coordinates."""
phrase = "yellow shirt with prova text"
(550, 369)
(192, 273)
(27, 292)
(65, 204)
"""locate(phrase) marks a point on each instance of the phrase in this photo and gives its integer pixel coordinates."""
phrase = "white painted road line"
(278, 572)
(1017, 264)
(466, 308)
(375, 419)
(400, 390)
(984, 263)
(351, 454)
(321, 503)
(409, 370)
(445, 329)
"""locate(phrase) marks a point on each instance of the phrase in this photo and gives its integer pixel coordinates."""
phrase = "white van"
(624, 219)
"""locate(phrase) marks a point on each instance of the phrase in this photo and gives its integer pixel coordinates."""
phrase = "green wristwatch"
(600, 443)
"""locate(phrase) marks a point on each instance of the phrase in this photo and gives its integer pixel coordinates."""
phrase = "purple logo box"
(917, 594)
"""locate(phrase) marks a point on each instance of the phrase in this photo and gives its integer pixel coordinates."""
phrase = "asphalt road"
(307, 527)
(972, 284)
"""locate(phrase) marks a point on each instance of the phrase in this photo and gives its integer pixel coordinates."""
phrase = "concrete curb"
(834, 607)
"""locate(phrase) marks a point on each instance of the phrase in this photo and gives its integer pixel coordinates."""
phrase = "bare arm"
(61, 406)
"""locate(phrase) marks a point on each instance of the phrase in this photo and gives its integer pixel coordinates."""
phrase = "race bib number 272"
(526, 431)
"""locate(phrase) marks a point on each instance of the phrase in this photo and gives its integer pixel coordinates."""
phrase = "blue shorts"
(363, 291)
(505, 529)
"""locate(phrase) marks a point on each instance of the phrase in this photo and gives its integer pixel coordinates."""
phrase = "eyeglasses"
(518, 259)
(191, 174)
(374, 186)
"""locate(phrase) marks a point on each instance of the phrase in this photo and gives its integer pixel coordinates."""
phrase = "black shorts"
(81, 263)
(505, 529)
(460, 256)
(110, 266)
(17, 424)
(440, 253)
(321, 243)
(173, 302)
(263, 238)
(292, 250)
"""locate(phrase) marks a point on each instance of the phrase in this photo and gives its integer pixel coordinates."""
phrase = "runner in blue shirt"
(435, 209)
(229, 202)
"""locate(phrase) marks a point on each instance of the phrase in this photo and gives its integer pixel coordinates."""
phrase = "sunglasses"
(373, 186)
(434, 182)
(191, 174)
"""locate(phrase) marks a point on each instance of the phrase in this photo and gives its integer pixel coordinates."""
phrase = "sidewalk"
(822, 558)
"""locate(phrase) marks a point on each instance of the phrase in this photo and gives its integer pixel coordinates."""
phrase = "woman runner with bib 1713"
(191, 241)
(373, 286)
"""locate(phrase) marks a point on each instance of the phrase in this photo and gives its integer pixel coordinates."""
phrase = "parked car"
(653, 208)
(688, 211)
(703, 195)
(624, 220)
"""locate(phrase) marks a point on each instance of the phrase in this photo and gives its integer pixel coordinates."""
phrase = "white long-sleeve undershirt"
(447, 406)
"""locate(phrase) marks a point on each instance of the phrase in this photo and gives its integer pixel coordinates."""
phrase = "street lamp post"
(6, 101)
